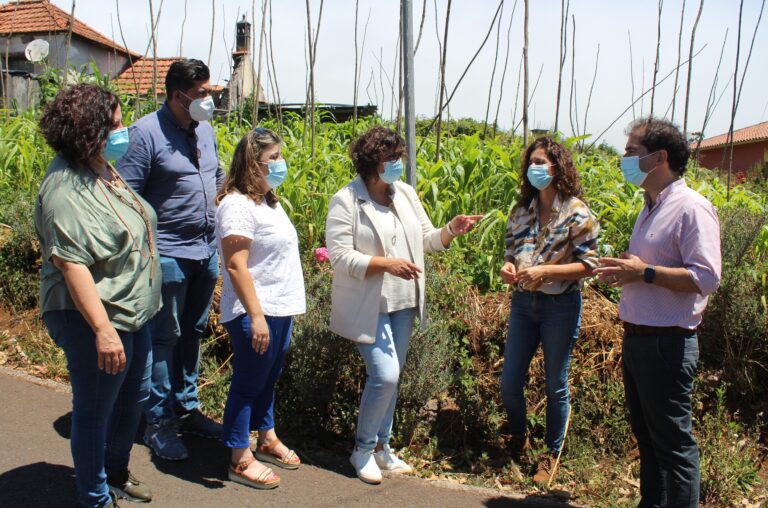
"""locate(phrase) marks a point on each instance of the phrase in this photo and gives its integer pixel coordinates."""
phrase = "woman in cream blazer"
(377, 233)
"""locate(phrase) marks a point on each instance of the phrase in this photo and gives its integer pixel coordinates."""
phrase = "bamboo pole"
(6, 76)
(591, 89)
(679, 55)
(564, 8)
(442, 83)
(67, 46)
(632, 73)
(354, 79)
(213, 28)
(493, 72)
(273, 74)
(257, 88)
(571, 100)
(504, 72)
(656, 61)
(711, 98)
(466, 69)
(154, 52)
(421, 25)
(525, 74)
(690, 62)
(729, 139)
(183, 22)
(737, 95)
(640, 97)
(137, 106)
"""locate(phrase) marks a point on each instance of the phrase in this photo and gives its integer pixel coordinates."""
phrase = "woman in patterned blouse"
(551, 246)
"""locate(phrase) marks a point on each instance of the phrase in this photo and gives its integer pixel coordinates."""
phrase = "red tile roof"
(751, 134)
(42, 17)
(140, 74)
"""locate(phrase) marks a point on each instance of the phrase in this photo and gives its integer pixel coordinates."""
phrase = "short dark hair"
(183, 74)
(659, 134)
(373, 147)
(78, 120)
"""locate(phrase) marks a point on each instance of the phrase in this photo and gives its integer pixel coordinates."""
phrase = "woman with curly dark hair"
(377, 232)
(100, 285)
(551, 244)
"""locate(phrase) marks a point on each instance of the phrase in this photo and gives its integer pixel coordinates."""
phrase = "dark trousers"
(658, 381)
(251, 400)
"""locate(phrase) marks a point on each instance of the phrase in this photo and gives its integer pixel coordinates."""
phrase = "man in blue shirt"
(173, 163)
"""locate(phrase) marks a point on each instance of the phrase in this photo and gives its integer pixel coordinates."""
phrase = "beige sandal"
(266, 453)
(262, 481)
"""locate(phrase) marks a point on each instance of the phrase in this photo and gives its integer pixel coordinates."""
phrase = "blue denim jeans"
(106, 408)
(384, 360)
(553, 321)
(251, 399)
(658, 381)
(176, 331)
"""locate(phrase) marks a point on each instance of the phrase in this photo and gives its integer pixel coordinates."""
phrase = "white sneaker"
(365, 466)
(388, 461)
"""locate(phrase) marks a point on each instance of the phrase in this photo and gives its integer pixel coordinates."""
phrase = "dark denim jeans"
(176, 331)
(251, 400)
(106, 408)
(553, 321)
(658, 381)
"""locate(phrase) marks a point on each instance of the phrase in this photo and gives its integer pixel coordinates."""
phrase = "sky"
(604, 24)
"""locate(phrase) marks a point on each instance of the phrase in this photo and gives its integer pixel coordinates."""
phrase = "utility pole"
(408, 78)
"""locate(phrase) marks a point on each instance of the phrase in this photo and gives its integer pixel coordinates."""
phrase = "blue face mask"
(278, 170)
(393, 170)
(117, 144)
(630, 167)
(538, 175)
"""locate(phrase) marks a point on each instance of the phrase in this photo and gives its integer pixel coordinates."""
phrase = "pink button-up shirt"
(680, 230)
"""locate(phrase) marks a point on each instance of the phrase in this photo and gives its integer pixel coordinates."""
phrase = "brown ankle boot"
(545, 469)
(518, 446)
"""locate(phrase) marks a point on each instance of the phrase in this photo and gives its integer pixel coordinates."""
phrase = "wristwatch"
(649, 274)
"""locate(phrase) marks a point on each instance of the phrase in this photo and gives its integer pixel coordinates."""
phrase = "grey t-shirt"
(80, 220)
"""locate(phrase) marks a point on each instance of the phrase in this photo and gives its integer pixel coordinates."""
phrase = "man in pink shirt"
(672, 265)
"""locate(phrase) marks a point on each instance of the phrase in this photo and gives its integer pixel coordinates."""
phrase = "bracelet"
(450, 229)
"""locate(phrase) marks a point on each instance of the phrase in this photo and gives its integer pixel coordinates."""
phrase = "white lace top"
(273, 260)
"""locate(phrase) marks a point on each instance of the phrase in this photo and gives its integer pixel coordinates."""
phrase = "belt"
(633, 329)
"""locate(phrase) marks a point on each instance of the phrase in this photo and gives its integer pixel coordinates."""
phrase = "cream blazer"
(353, 237)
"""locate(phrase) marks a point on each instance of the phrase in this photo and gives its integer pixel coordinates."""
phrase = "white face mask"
(201, 110)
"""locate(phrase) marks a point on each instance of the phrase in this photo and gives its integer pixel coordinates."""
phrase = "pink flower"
(321, 255)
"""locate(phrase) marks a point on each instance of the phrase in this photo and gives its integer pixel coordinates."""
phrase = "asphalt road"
(36, 468)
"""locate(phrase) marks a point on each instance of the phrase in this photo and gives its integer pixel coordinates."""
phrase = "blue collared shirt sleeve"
(136, 164)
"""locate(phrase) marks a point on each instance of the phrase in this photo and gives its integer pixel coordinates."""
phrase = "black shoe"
(124, 485)
(195, 422)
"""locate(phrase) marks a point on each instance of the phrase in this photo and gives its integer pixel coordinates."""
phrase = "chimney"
(243, 41)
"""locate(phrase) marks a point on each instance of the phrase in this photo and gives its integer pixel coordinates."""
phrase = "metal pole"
(408, 77)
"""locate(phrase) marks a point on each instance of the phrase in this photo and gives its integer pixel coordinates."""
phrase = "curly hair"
(244, 173)
(659, 134)
(566, 179)
(78, 121)
(377, 145)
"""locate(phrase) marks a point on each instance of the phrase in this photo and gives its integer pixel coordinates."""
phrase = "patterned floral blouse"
(570, 236)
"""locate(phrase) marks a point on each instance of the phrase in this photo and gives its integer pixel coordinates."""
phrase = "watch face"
(649, 274)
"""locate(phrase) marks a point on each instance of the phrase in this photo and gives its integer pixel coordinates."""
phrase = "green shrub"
(734, 332)
(19, 253)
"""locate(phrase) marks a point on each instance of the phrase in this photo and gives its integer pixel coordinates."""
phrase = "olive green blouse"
(87, 221)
